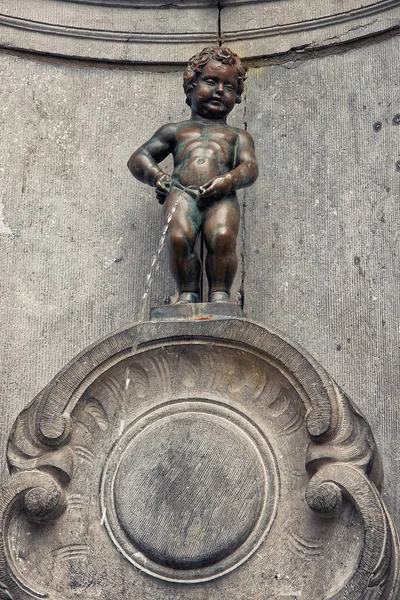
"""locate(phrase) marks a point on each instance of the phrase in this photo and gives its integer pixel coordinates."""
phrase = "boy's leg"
(183, 228)
(221, 226)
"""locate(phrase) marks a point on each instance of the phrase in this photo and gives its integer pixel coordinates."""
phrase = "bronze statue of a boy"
(211, 161)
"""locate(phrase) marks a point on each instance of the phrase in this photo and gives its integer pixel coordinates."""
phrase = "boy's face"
(215, 91)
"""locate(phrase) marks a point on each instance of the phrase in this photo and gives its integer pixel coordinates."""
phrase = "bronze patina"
(212, 160)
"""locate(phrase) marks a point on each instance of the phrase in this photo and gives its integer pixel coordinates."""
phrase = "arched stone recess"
(157, 31)
(208, 457)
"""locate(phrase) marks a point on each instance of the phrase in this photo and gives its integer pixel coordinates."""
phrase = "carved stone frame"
(342, 465)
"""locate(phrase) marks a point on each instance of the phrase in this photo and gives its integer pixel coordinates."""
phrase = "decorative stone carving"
(171, 30)
(193, 458)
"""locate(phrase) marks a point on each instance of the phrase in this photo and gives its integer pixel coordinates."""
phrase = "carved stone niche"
(195, 459)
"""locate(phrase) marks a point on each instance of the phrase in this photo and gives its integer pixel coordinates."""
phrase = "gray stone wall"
(77, 232)
(322, 254)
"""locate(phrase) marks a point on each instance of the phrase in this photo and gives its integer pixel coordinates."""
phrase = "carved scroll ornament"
(193, 459)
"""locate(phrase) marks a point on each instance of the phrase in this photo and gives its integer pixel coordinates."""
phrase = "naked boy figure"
(211, 161)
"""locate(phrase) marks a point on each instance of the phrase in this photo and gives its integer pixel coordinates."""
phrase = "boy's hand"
(163, 187)
(215, 189)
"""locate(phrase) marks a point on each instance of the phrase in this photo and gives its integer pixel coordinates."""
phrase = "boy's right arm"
(143, 164)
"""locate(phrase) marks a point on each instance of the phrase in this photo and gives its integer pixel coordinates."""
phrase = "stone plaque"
(204, 458)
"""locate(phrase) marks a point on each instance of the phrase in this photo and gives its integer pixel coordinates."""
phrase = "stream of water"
(155, 262)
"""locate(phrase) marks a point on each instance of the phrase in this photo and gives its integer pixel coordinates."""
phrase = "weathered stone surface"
(192, 458)
(198, 310)
(107, 31)
(77, 232)
(268, 27)
(322, 223)
(162, 31)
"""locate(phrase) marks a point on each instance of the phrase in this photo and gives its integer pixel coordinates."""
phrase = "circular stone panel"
(189, 491)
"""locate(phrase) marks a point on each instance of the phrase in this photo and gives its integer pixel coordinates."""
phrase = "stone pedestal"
(192, 458)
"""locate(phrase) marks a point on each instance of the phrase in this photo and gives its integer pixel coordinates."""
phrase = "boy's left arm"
(241, 176)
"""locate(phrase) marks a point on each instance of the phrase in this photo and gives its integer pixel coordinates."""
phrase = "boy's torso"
(203, 151)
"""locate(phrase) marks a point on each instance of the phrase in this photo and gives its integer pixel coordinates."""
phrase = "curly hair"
(199, 61)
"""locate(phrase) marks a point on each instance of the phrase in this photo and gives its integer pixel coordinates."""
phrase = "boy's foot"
(187, 298)
(218, 297)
